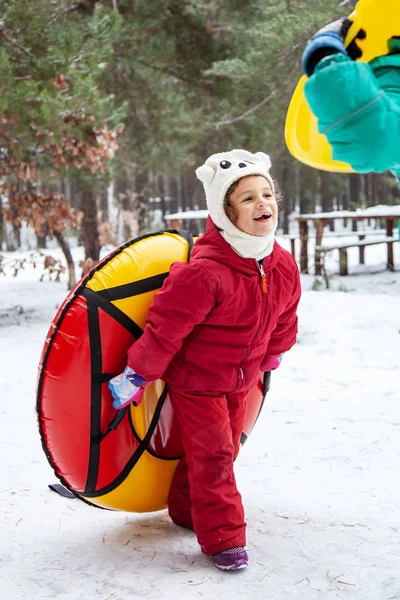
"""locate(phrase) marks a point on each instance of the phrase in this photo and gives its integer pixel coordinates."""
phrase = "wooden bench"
(320, 251)
(338, 234)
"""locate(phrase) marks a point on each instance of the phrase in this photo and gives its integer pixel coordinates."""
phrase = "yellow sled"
(380, 20)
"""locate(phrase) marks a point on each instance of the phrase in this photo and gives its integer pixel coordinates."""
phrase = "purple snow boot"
(232, 559)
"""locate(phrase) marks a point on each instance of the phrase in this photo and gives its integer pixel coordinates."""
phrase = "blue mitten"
(328, 40)
(127, 388)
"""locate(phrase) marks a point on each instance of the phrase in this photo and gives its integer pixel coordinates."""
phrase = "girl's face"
(254, 206)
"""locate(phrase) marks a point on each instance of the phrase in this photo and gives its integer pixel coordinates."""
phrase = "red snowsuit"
(207, 332)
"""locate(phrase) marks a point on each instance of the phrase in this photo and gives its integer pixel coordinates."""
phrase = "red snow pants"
(203, 494)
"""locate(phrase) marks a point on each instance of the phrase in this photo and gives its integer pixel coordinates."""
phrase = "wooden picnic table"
(390, 215)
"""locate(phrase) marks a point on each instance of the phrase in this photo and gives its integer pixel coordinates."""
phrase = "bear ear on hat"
(265, 159)
(205, 173)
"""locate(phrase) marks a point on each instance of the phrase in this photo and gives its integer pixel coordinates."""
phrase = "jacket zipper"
(264, 286)
(263, 298)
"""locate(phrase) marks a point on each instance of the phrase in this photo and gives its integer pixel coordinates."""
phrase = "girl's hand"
(270, 363)
(127, 388)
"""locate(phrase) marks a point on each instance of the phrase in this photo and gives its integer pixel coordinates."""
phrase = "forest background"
(107, 107)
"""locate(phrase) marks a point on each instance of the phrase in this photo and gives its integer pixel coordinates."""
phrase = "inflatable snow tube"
(374, 23)
(120, 460)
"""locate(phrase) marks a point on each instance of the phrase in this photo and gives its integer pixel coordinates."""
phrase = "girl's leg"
(210, 448)
(237, 413)
(179, 501)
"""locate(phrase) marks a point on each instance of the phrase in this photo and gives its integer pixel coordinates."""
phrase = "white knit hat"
(217, 174)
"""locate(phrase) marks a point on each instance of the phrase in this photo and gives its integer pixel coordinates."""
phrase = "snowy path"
(320, 475)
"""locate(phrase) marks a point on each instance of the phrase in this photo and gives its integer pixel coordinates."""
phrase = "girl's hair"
(230, 210)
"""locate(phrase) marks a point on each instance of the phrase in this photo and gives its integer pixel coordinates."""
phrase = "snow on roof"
(383, 210)
(373, 211)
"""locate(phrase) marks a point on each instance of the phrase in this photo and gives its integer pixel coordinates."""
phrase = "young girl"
(357, 104)
(215, 324)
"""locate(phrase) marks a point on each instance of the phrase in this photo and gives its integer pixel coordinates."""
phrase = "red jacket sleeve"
(284, 335)
(184, 301)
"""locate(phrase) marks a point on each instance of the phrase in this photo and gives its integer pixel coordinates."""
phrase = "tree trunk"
(375, 188)
(305, 203)
(1, 224)
(354, 191)
(10, 238)
(169, 201)
(182, 193)
(14, 239)
(314, 191)
(112, 208)
(89, 225)
(63, 243)
(163, 206)
(41, 238)
(173, 191)
(344, 201)
(67, 191)
(326, 195)
(41, 242)
(192, 188)
(367, 189)
(285, 208)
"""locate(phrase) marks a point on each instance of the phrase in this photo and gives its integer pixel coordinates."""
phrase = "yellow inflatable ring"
(121, 460)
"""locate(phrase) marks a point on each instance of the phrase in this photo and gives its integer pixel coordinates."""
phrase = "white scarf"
(246, 245)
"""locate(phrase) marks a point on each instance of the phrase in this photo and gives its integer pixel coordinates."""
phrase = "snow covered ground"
(320, 474)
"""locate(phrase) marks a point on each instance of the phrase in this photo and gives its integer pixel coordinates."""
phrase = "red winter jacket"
(211, 324)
